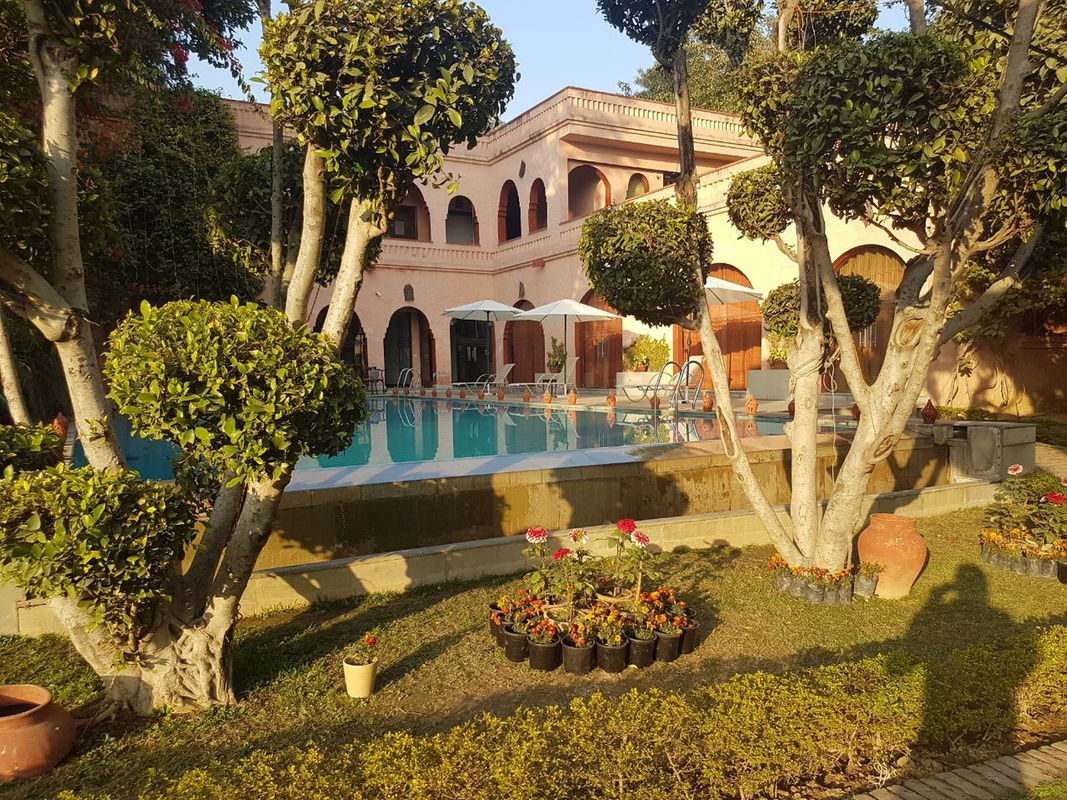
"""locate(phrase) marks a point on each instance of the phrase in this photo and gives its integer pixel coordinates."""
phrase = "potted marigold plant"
(526, 611)
(641, 634)
(544, 644)
(1026, 527)
(579, 646)
(361, 666)
(865, 581)
(611, 641)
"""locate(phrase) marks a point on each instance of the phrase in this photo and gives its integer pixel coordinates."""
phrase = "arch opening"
(409, 343)
(637, 185)
(461, 224)
(353, 350)
(524, 346)
(884, 268)
(412, 218)
(598, 347)
(538, 210)
(587, 191)
(509, 215)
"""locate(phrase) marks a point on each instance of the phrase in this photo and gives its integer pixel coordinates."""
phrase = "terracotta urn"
(708, 403)
(930, 413)
(407, 391)
(422, 391)
(654, 402)
(448, 392)
(751, 405)
(892, 540)
(572, 397)
(792, 408)
(526, 396)
(395, 391)
(547, 396)
(433, 393)
(61, 424)
(855, 411)
(611, 399)
(481, 394)
(35, 733)
(462, 393)
(500, 395)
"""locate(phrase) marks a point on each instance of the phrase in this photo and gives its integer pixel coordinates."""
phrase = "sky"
(557, 43)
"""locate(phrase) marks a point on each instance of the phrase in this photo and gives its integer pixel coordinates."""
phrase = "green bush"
(653, 353)
(861, 297)
(750, 736)
(104, 538)
(29, 447)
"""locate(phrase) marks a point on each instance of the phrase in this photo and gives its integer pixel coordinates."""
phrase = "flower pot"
(783, 580)
(515, 645)
(35, 733)
(668, 646)
(689, 637)
(986, 553)
(496, 628)
(642, 652)
(615, 599)
(796, 586)
(359, 678)
(865, 586)
(611, 657)
(1048, 568)
(545, 657)
(813, 594)
(578, 660)
(892, 540)
(1018, 565)
(844, 593)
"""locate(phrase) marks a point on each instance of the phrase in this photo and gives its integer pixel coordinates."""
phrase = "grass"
(1051, 428)
(439, 667)
(1052, 790)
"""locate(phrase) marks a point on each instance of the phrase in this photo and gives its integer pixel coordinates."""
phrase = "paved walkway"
(1051, 458)
(991, 780)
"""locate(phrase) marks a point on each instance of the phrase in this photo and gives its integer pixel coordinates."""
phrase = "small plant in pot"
(611, 641)
(361, 665)
(866, 580)
(544, 644)
(500, 616)
(579, 652)
(669, 617)
(642, 637)
(525, 613)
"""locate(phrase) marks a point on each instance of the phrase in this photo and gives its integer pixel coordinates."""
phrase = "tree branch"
(786, 249)
(36, 299)
(888, 231)
(217, 534)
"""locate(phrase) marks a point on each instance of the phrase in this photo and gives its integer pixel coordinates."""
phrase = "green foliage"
(106, 539)
(170, 147)
(386, 88)
(653, 353)
(730, 25)
(557, 355)
(756, 203)
(861, 297)
(749, 736)
(233, 385)
(663, 26)
(713, 80)
(29, 447)
(644, 259)
(819, 23)
(23, 189)
(1022, 509)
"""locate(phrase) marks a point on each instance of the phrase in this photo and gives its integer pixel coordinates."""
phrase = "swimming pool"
(403, 429)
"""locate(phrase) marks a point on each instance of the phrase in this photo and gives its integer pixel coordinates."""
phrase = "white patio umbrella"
(568, 309)
(488, 310)
(724, 293)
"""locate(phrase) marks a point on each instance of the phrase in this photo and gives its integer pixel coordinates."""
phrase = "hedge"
(739, 738)
(29, 447)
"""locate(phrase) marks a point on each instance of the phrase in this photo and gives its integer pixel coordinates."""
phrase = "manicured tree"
(242, 393)
(71, 48)
(951, 142)
(664, 26)
(382, 90)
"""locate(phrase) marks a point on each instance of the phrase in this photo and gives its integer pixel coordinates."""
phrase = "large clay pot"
(35, 734)
(892, 540)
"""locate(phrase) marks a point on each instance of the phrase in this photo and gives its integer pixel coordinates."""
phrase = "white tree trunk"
(361, 230)
(9, 378)
(312, 232)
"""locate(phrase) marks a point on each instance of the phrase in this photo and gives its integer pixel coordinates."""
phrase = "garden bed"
(439, 669)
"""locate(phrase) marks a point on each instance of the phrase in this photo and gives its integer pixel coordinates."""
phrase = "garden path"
(989, 780)
(1051, 458)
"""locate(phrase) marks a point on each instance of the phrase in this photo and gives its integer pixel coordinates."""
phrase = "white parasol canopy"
(724, 293)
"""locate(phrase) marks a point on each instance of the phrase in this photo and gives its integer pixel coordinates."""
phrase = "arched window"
(637, 186)
(412, 219)
(538, 206)
(461, 224)
(587, 191)
(509, 218)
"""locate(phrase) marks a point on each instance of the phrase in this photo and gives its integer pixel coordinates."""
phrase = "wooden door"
(524, 346)
(599, 346)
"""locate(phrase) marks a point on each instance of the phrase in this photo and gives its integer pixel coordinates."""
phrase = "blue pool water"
(407, 429)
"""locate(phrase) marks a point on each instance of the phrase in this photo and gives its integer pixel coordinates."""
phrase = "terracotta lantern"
(751, 405)
(407, 391)
(547, 396)
(654, 402)
(433, 393)
(930, 413)
(395, 391)
(572, 397)
(892, 540)
(709, 402)
(448, 392)
(526, 396)
(611, 399)
(500, 395)
(462, 393)
(481, 394)
(422, 391)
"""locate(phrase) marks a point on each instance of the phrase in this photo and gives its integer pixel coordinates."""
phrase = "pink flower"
(1063, 482)
(536, 535)
(1055, 497)
(1015, 469)
(638, 538)
(563, 552)
(627, 525)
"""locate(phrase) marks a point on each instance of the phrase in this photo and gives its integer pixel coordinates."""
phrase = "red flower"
(370, 640)
(1063, 482)
(1055, 497)
(536, 535)
(563, 552)
(638, 538)
(1015, 469)
(627, 525)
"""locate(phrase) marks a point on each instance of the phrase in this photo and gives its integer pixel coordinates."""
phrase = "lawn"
(439, 667)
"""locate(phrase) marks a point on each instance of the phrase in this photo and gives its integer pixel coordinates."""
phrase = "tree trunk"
(274, 289)
(917, 16)
(9, 378)
(361, 230)
(312, 231)
(686, 190)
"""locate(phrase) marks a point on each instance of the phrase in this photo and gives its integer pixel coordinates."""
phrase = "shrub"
(106, 538)
(29, 447)
(752, 735)
(653, 353)
(861, 297)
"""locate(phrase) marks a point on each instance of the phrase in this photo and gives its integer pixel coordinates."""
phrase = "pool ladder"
(685, 389)
(409, 378)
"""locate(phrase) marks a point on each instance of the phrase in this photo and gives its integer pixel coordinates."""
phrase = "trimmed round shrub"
(643, 258)
(29, 447)
(756, 204)
(862, 299)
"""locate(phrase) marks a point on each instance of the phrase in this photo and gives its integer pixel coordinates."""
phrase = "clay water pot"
(892, 540)
(433, 393)
(572, 397)
(547, 396)
(448, 392)
(481, 394)
(930, 413)
(395, 391)
(708, 403)
(751, 405)
(611, 400)
(526, 396)
(422, 392)
(462, 393)
(500, 395)
(35, 733)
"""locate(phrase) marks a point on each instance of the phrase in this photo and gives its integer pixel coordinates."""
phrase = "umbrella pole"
(566, 354)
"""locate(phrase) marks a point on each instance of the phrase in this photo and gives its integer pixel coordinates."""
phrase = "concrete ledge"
(304, 584)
